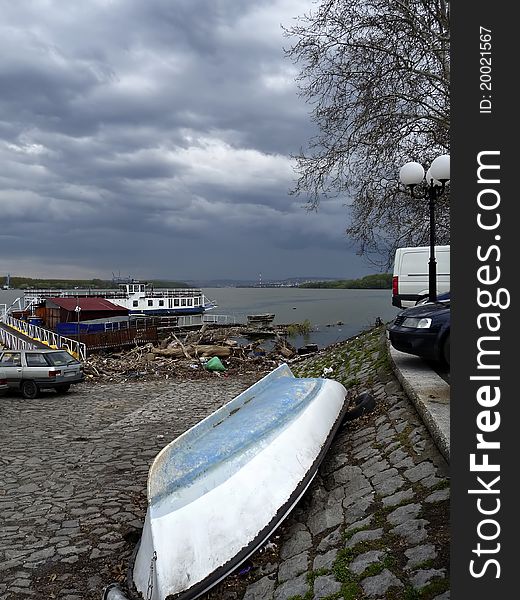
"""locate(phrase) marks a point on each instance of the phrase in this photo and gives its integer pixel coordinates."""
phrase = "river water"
(324, 308)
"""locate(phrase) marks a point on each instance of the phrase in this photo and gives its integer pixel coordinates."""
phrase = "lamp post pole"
(432, 264)
(437, 176)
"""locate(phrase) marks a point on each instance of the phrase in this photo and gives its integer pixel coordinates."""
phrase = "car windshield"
(59, 359)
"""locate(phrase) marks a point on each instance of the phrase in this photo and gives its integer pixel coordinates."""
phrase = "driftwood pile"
(187, 357)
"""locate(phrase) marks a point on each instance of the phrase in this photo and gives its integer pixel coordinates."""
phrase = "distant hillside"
(380, 281)
(24, 283)
(290, 282)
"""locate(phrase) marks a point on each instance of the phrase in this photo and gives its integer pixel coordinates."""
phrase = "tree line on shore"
(379, 281)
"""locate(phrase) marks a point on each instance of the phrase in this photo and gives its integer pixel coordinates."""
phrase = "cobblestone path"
(73, 472)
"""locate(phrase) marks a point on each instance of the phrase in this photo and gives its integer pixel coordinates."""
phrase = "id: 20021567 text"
(485, 79)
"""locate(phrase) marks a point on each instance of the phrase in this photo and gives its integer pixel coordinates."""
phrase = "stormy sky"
(154, 139)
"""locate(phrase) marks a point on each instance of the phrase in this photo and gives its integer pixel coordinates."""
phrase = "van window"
(417, 263)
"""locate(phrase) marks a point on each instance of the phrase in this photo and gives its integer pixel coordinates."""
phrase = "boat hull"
(218, 492)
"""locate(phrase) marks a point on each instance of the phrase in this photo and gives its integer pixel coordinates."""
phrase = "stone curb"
(429, 393)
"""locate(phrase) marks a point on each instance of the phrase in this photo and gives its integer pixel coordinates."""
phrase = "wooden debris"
(185, 357)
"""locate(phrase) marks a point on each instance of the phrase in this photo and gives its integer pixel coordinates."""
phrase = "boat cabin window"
(176, 302)
(135, 303)
(150, 302)
(183, 302)
(197, 301)
(141, 288)
(190, 302)
(161, 302)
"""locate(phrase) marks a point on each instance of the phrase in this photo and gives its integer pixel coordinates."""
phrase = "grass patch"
(375, 568)
(426, 564)
(372, 570)
(404, 438)
(445, 483)
(299, 328)
(366, 545)
(311, 577)
(340, 567)
(351, 591)
(352, 382)
(350, 588)
(410, 593)
(351, 532)
(434, 588)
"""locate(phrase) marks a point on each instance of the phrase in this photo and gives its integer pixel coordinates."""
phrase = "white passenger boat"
(217, 493)
(139, 298)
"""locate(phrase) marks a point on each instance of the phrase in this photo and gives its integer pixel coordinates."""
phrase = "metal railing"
(220, 319)
(13, 342)
(187, 321)
(47, 337)
(6, 309)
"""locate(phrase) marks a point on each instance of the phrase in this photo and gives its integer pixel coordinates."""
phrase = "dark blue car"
(423, 330)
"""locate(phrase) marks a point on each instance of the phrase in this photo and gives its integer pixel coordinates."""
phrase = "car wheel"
(30, 390)
(62, 388)
(446, 350)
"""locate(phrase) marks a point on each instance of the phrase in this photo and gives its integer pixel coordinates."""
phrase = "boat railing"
(220, 319)
(5, 309)
(13, 342)
(47, 337)
(42, 294)
(35, 296)
(187, 321)
(180, 293)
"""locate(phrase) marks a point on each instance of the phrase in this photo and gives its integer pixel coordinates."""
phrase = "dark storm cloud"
(149, 136)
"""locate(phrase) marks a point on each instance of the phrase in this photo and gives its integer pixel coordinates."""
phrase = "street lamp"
(78, 311)
(433, 186)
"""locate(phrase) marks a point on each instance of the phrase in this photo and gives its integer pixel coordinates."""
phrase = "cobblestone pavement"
(374, 523)
(73, 472)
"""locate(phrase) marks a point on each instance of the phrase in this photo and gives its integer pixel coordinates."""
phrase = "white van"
(410, 281)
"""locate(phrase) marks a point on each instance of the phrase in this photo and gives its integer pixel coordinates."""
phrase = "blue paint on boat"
(225, 435)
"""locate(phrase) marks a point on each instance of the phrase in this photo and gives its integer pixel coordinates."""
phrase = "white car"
(33, 370)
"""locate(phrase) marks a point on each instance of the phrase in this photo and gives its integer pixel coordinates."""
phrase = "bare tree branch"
(376, 74)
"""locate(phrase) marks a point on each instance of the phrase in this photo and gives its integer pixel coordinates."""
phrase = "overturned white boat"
(217, 493)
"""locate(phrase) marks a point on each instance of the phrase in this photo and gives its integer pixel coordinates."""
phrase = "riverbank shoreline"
(184, 356)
